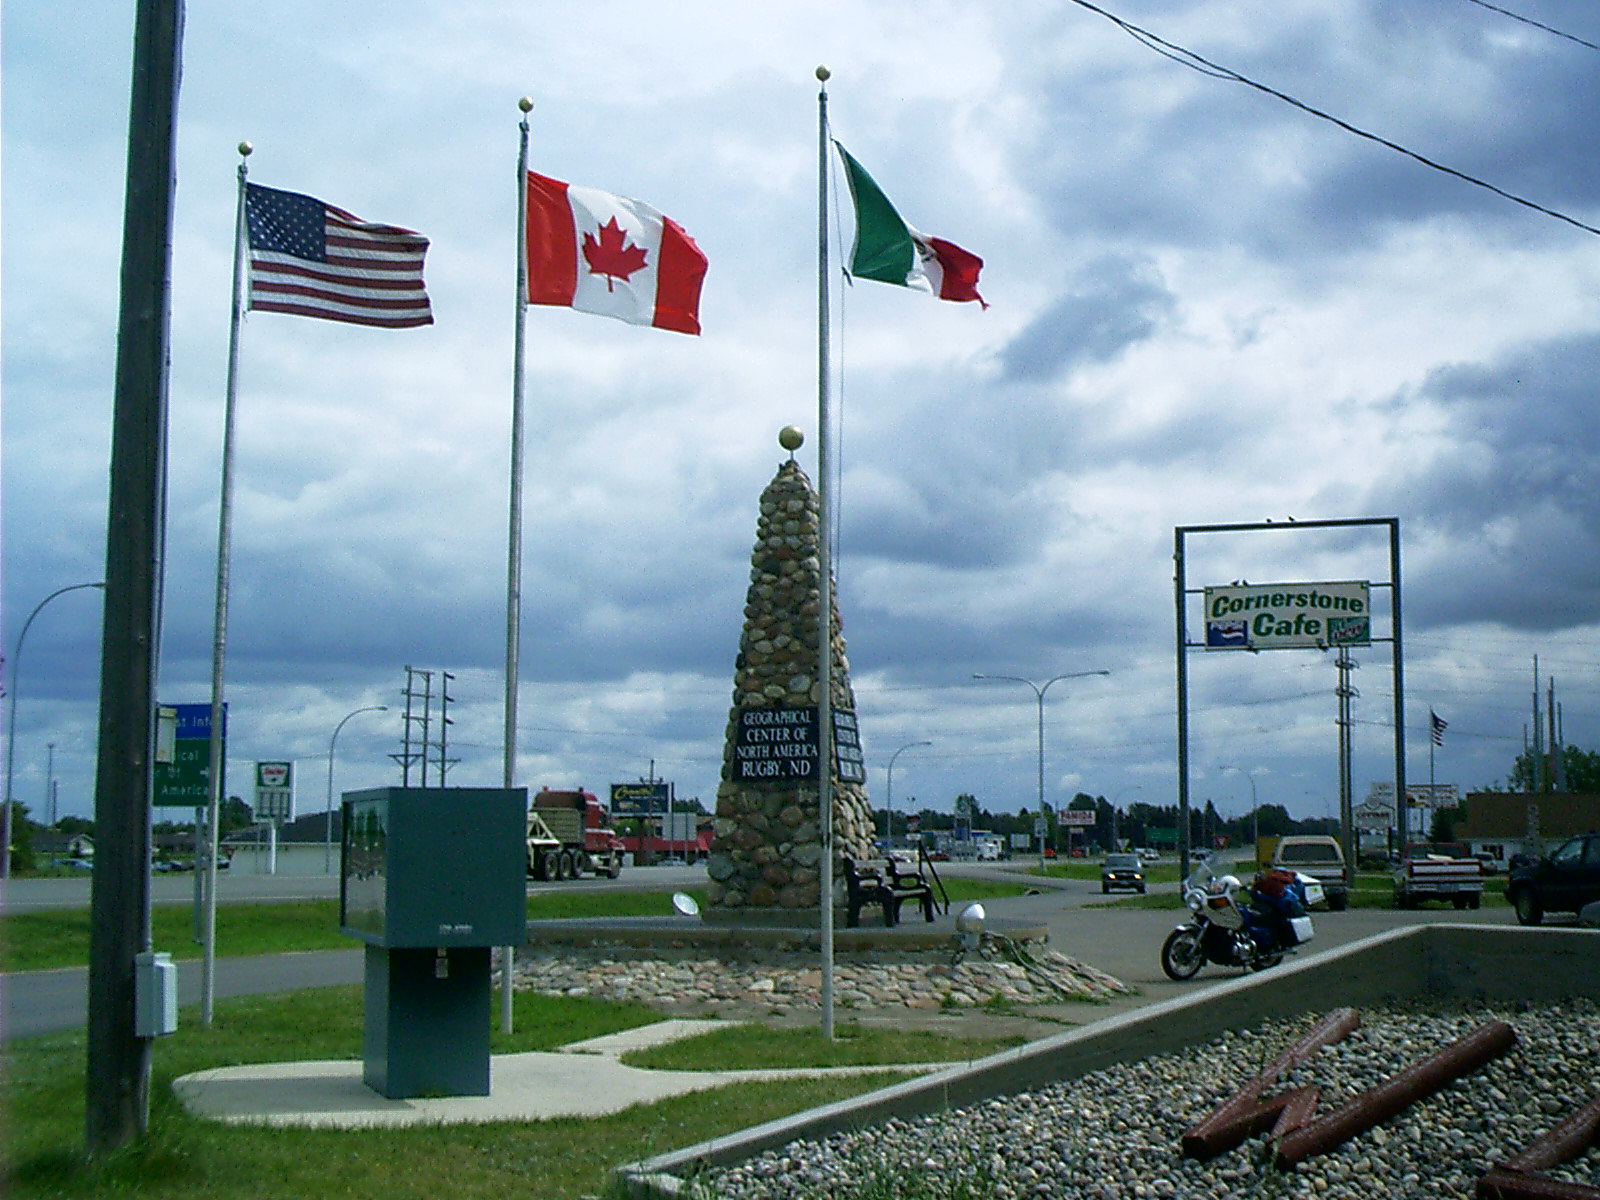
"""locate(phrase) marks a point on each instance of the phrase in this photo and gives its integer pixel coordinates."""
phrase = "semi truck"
(570, 835)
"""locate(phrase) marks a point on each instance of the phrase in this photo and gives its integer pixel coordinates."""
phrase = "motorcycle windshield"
(1201, 877)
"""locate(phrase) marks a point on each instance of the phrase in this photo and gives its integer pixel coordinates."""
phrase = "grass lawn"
(746, 1046)
(60, 938)
(185, 1158)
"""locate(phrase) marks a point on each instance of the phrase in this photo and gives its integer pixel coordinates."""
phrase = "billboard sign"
(1075, 816)
(639, 799)
(1283, 616)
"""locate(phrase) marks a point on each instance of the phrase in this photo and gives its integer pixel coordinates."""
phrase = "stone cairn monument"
(766, 855)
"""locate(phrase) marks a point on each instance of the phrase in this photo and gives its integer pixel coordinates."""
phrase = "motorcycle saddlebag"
(1298, 930)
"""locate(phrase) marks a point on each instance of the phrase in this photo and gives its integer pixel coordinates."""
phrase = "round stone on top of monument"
(766, 855)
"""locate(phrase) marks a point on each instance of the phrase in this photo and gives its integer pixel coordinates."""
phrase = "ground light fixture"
(970, 922)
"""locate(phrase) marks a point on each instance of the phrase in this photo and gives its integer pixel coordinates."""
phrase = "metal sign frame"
(1182, 591)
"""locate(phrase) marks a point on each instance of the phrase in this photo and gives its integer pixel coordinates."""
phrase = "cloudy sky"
(1206, 306)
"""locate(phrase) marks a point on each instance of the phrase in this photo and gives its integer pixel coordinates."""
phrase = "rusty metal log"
(1298, 1107)
(1244, 1114)
(1244, 1123)
(1517, 1178)
(1501, 1184)
(1575, 1134)
(1378, 1104)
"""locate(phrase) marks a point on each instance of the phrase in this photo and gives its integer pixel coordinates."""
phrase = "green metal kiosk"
(432, 880)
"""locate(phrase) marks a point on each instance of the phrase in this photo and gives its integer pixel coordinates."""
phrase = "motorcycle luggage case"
(1299, 930)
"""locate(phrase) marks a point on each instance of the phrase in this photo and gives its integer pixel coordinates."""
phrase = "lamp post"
(327, 849)
(11, 720)
(1039, 690)
(888, 806)
(1255, 809)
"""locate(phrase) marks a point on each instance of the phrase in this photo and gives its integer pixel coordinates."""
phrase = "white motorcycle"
(1235, 926)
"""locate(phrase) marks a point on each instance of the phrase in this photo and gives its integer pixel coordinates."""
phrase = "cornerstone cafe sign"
(1280, 616)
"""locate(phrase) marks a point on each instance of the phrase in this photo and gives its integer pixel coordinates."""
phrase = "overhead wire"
(1506, 12)
(1205, 66)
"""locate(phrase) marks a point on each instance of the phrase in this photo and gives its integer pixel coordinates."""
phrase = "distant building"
(49, 844)
(1502, 824)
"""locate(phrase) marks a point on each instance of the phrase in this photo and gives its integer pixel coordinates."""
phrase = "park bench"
(884, 882)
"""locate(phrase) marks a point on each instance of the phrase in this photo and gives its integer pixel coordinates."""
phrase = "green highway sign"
(184, 782)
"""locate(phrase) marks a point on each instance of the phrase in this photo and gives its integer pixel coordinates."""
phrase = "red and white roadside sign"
(274, 799)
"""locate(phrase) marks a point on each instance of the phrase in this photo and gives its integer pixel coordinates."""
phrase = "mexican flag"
(611, 256)
(890, 251)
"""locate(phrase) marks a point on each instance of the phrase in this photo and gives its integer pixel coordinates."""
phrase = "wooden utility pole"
(118, 1075)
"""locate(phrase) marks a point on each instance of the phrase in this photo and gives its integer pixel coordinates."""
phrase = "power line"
(1506, 12)
(1205, 66)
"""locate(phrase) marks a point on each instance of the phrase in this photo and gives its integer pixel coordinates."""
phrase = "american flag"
(1438, 724)
(314, 260)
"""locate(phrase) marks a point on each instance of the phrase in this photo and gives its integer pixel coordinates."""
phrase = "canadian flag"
(611, 256)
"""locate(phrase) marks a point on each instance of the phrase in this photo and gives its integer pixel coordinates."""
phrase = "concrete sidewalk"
(584, 1079)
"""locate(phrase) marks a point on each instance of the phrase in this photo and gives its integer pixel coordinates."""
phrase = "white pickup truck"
(1438, 871)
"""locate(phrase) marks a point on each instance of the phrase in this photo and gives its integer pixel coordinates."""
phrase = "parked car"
(1564, 881)
(1121, 871)
(74, 864)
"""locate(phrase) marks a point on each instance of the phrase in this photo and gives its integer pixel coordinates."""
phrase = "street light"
(888, 806)
(1039, 690)
(1255, 807)
(11, 721)
(327, 849)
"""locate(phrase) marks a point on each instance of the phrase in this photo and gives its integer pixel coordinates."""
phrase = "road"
(33, 1002)
(44, 895)
(1124, 942)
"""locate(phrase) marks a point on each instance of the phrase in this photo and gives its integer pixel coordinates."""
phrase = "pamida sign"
(1281, 616)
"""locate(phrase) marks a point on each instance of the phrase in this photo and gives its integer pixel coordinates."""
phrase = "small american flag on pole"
(313, 260)
(1438, 725)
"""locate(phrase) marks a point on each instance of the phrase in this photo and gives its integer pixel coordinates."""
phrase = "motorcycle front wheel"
(1181, 956)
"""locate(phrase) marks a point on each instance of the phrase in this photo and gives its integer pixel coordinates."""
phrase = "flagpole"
(219, 633)
(825, 554)
(514, 535)
(1433, 740)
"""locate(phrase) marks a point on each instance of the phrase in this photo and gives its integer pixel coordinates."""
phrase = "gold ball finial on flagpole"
(823, 74)
(526, 104)
(245, 149)
(790, 438)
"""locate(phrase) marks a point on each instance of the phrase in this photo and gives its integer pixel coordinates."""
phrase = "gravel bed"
(1114, 1134)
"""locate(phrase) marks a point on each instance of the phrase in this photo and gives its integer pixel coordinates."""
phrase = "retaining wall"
(1442, 962)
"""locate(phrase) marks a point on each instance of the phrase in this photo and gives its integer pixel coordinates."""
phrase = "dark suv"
(1122, 871)
(1564, 881)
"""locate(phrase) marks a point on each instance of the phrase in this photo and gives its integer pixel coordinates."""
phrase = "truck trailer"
(569, 836)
